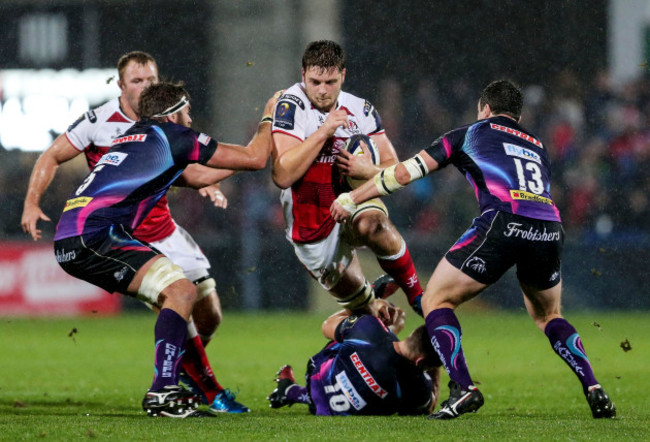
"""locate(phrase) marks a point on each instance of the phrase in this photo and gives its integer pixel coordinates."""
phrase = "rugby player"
(365, 370)
(312, 121)
(519, 225)
(93, 134)
(94, 240)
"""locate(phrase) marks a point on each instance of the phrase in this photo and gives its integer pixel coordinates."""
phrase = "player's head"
(502, 97)
(420, 350)
(136, 71)
(323, 73)
(166, 102)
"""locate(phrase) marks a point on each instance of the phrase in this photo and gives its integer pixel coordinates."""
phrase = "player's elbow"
(283, 182)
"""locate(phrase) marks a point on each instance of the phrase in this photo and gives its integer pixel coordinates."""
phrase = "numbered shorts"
(108, 259)
(183, 251)
(498, 240)
(328, 258)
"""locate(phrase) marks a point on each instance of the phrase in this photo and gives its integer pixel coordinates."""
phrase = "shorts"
(328, 258)
(499, 240)
(108, 259)
(183, 251)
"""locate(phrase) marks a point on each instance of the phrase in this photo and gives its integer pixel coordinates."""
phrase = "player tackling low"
(519, 226)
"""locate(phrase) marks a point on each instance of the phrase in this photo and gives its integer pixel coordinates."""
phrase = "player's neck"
(128, 110)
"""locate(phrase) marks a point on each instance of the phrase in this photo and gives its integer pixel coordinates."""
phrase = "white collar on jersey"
(173, 109)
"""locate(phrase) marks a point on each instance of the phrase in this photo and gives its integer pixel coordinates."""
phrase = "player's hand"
(389, 314)
(215, 194)
(335, 119)
(31, 215)
(342, 208)
(269, 108)
(359, 167)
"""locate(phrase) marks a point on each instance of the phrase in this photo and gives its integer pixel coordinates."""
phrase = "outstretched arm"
(385, 182)
(42, 175)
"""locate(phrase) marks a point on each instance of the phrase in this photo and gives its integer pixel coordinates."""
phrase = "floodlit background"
(583, 66)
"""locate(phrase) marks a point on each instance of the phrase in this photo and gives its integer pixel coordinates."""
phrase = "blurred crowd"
(598, 137)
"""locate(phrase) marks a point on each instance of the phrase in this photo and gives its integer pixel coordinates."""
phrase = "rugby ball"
(354, 146)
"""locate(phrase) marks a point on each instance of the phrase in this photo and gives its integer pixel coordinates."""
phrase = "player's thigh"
(109, 259)
(449, 287)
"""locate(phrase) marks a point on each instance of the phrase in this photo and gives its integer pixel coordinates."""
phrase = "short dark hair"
(504, 97)
(137, 56)
(420, 344)
(325, 54)
(159, 97)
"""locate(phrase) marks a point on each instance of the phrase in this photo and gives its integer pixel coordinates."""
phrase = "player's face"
(323, 86)
(135, 79)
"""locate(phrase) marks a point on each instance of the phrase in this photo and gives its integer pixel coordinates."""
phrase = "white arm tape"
(346, 202)
(416, 167)
(385, 181)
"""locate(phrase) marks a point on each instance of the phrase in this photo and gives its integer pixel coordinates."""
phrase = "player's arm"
(42, 175)
(393, 317)
(198, 176)
(434, 373)
(387, 181)
(253, 156)
(291, 157)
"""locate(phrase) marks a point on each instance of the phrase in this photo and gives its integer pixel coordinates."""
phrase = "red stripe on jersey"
(118, 118)
(278, 131)
(158, 224)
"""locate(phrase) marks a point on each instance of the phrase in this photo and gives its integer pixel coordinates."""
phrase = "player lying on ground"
(365, 370)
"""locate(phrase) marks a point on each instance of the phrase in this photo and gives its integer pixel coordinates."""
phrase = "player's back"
(361, 373)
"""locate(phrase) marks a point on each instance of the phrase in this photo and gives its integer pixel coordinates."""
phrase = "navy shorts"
(498, 240)
(108, 259)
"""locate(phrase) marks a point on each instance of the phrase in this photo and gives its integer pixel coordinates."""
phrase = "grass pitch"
(77, 378)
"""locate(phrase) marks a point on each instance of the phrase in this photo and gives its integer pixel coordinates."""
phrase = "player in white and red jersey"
(312, 121)
(92, 134)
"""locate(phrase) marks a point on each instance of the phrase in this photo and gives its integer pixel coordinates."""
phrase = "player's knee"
(161, 275)
(371, 228)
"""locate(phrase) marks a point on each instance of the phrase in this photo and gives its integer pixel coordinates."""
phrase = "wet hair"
(504, 97)
(325, 54)
(420, 343)
(160, 97)
(138, 57)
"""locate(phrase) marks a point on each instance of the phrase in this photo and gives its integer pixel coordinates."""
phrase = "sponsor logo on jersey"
(515, 230)
(517, 133)
(285, 115)
(204, 139)
(477, 264)
(139, 138)
(63, 256)
(367, 108)
(521, 152)
(92, 117)
(349, 391)
(76, 203)
(367, 377)
(295, 99)
(112, 158)
(527, 196)
(76, 123)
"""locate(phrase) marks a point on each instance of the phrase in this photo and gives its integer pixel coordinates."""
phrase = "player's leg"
(207, 313)
(287, 391)
(446, 290)
(372, 228)
(544, 307)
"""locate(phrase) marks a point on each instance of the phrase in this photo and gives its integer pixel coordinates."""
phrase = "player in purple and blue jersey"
(365, 370)
(94, 239)
(519, 226)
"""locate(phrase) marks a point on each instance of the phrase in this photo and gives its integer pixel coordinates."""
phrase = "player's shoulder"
(296, 95)
(357, 105)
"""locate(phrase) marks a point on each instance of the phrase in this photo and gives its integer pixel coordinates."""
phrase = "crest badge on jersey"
(285, 115)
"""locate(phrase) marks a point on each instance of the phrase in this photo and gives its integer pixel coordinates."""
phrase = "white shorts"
(328, 258)
(181, 249)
